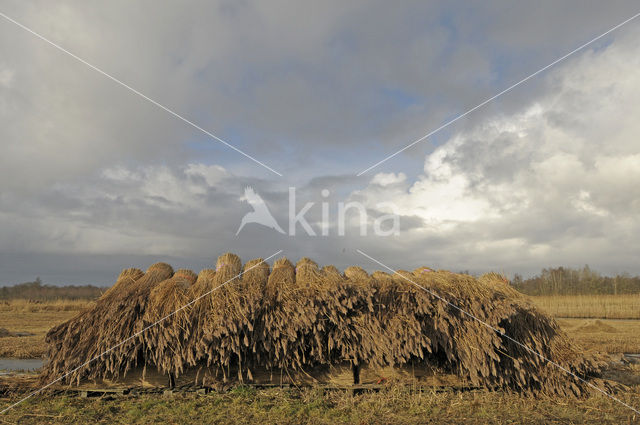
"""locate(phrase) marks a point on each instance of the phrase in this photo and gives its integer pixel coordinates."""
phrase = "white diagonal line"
(448, 123)
(109, 76)
(134, 335)
(499, 332)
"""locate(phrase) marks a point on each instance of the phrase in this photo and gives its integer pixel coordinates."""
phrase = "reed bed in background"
(31, 306)
(34, 318)
(603, 335)
(591, 306)
(306, 317)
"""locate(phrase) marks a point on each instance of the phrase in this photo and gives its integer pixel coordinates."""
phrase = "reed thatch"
(226, 316)
(70, 341)
(278, 330)
(169, 307)
(125, 281)
(300, 319)
(105, 330)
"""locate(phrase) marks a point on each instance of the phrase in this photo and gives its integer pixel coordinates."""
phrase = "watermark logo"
(351, 214)
(260, 213)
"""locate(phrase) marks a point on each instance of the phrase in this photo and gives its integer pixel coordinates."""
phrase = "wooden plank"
(87, 392)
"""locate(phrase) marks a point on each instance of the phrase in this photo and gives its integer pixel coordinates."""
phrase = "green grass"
(278, 406)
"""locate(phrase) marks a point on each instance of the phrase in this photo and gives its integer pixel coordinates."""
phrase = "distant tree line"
(568, 281)
(551, 281)
(37, 291)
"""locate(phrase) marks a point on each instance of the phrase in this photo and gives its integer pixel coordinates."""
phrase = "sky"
(95, 178)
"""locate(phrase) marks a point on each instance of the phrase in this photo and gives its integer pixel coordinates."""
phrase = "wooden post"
(356, 373)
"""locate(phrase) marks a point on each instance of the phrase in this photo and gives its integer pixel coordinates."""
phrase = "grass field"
(584, 318)
(278, 406)
(591, 306)
(36, 318)
(607, 336)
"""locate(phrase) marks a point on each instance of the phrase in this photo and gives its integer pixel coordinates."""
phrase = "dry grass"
(591, 306)
(24, 306)
(607, 336)
(36, 318)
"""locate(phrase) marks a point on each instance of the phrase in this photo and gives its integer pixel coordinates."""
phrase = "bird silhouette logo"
(260, 213)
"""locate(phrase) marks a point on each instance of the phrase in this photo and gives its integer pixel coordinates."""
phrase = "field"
(588, 319)
(276, 406)
(607, 336)
(607, 323)
(591, 306)
(32, 317)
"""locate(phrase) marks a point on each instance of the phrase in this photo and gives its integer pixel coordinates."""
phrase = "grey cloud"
(524, 190)
(293, 77)
(301, 86)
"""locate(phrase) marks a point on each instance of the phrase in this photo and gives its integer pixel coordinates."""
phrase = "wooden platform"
(140, 381)
(102, 391)
(336, 375)
(355, 389)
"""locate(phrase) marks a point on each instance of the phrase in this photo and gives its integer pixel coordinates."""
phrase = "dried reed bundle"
(278, 330)
(124, 282)
(111, 324)
(361, 336)
(427, 329)
(522, 370)
(230, 324)
(166, 345)
(201, 292)
(204, 283)
(303, 317)
(220, 344)
(128, 320)
(467, 345)
(314, 302)
(254, 280)
(70, 341)
(402, 326)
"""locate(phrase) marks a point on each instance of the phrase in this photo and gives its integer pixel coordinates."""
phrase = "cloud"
(386, 179)
(337, 77)
(550, 183)
(319, 92)
(6, 77)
